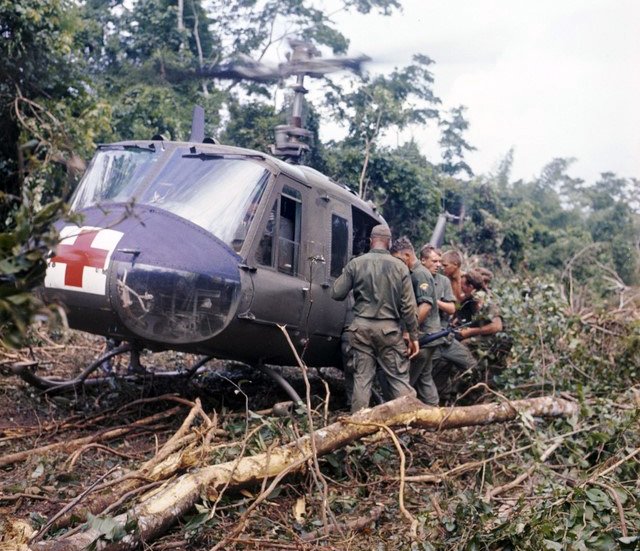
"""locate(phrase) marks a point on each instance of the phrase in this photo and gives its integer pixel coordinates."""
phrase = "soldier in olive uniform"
(428, 319)
(486, 335)
(430, 257)
(451, 358)
(383, 299)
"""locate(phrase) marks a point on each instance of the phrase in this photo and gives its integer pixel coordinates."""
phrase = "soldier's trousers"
(451, 360)
(421, 378)
(456, 354)
(378, 344)
(347, 363)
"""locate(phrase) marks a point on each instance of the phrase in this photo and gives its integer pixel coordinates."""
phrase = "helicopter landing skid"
(23, 370)
(135, 372)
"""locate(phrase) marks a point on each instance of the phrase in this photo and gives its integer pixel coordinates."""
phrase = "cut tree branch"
(158, 510)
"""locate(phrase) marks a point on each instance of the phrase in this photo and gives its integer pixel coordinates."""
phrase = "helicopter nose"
(170, 281)
(143, 273)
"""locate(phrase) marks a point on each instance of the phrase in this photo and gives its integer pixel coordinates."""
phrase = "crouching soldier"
(486, 334)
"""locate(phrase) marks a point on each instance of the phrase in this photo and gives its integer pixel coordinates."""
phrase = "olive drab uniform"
(492, 351)
(421, 377)
(444, 292)
(346, 351)
(383, 299)
(452, 358)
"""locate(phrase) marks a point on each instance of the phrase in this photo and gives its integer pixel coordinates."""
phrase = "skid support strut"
(284, 384)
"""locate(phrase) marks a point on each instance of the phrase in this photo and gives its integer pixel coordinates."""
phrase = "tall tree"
(453, 144)
(48, 119)
(380, 103)
(48, 113)
(611, 221)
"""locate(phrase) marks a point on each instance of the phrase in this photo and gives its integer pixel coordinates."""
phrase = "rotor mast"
(292, 140)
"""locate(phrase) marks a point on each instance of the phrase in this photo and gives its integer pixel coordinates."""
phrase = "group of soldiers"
(417, 326)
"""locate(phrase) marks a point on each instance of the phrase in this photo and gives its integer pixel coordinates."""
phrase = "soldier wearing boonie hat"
(383, 298)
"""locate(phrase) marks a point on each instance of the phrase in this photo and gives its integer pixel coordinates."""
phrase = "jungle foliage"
(76, 74)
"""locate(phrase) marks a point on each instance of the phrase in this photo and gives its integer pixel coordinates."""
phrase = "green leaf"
(333, 461)
(598, 498)
(196, 521)
(107, 527)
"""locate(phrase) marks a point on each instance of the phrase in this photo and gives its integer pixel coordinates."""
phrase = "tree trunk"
(160, 509)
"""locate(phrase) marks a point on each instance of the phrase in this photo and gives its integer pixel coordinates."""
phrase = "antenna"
(197, 124)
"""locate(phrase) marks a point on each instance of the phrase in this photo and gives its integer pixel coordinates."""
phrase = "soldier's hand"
(414, 348)
(407, 339)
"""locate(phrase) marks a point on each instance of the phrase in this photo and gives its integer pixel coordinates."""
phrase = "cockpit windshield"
(113, 175)
(220, 194)
(217, 193)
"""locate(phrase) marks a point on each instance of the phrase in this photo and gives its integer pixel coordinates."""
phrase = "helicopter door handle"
(305, 290)
(247, 268)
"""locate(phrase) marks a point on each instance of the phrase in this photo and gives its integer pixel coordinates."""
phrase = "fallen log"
(159, 509)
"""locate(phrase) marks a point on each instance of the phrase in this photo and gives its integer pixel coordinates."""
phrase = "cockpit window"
(113, 176)
(219, 194)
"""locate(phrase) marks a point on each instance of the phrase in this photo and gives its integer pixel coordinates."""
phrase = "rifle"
(451, 329)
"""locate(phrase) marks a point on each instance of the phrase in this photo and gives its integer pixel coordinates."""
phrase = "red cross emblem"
(80, 255)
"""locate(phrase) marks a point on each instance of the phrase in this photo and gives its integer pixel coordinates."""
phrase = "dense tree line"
(75, 74)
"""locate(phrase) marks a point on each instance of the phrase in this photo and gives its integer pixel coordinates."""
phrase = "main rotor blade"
(259, 72)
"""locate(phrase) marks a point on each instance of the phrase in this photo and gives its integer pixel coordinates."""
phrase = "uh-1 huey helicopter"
(207, 248)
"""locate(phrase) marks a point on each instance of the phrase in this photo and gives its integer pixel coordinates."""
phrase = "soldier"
(480, 309)
(451, 358)
(473, 292)
(383, 299)
(428, 320)
(430, 257)
(486, 335)
(452, 268)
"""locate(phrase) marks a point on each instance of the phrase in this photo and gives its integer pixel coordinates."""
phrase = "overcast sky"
(551, 78)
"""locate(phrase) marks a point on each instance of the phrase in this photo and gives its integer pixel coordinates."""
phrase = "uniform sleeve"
(493, 309)
(487, 309)
(408, 306)
(424, 289)
(447, 290)
(343, 284)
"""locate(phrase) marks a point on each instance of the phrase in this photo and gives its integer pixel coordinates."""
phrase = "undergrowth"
(532, 484)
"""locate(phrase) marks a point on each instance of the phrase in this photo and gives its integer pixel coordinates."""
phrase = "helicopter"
(210, 249)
